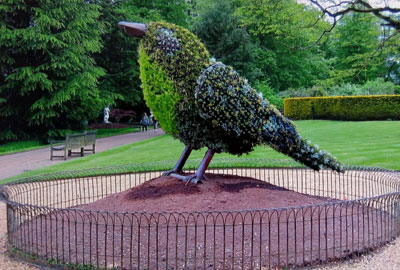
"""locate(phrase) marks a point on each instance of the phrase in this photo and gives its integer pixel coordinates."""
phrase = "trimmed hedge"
(355, 108)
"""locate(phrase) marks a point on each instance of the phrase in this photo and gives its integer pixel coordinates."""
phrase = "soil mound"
(216, 193)
(213, 239)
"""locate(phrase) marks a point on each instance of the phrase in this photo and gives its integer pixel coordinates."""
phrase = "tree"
(48, 77)
(356, 41)
(284, 31)
(336, 9)
(389, 18)
(219, 28)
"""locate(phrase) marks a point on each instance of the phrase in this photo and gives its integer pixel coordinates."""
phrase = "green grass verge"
(372, 143)
(14, 147)
(107, 132)
(20, 146)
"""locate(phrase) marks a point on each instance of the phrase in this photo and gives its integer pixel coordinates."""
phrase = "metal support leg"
(205, 163)
(181, 162)
(202, 168)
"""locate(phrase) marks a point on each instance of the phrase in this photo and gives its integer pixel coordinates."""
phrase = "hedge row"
(355, 108)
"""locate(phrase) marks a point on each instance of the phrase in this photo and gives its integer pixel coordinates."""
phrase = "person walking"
(154, 121)
(144, 122)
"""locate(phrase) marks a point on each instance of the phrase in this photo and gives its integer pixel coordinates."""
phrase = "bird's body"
(205, 103)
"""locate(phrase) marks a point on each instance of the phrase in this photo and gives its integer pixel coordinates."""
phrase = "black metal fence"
(44, 225)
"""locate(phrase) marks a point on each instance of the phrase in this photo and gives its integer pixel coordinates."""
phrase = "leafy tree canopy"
(285, 31)
(356, 39)
(219, 28)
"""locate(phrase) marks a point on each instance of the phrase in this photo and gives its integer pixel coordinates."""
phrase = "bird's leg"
(181, 162)
(199, 175)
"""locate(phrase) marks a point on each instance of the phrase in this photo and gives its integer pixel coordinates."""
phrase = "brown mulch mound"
(217, 193)
(207, 227)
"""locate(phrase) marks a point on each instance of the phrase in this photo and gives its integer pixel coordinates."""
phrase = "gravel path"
(14, 164)
(387, 258)
(7, 263)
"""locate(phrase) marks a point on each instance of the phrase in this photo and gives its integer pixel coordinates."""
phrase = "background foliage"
(62, 62)
(376, 87)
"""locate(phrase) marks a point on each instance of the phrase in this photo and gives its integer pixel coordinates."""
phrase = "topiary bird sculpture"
(205, 103)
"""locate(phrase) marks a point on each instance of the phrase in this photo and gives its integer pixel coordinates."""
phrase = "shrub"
(379, 87)
(353, 108)
(376, 87)
(315, 91)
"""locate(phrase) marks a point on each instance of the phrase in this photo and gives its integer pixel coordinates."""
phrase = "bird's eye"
(167, 41)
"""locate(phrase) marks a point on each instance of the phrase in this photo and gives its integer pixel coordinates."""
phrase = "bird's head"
(171, 60)
(173, 48)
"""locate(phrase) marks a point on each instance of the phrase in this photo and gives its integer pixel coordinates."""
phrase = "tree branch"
(380, 47)
(338, 9)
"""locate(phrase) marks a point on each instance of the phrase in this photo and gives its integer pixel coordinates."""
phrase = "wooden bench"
(74, 141)
(90, 140)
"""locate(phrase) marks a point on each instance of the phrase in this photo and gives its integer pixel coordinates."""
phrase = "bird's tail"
(280, 133)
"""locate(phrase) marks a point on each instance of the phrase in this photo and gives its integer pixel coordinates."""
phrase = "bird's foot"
(192, 178)
(168, 173)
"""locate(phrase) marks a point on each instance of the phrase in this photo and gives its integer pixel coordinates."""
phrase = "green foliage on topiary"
(233, 110)
(352, 108)
(205, 103)
(178, 54)
(162, 103)
(238, 119)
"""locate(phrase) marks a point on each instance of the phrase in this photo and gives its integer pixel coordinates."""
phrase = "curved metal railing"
(45, 225)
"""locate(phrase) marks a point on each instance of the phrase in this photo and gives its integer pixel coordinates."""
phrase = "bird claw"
(192, 178)
(168, 173)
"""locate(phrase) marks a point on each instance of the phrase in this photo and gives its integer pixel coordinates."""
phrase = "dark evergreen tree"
(48, 77)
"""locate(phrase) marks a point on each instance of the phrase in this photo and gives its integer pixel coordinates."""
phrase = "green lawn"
(14, 147)
(107, 132)
(372, 143)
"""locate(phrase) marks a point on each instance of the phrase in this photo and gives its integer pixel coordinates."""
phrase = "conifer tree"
(48, 77)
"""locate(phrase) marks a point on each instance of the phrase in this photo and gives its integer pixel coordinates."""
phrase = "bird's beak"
(133, 29)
